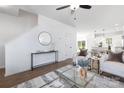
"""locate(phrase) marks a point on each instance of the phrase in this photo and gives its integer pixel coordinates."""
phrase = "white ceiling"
(9, 10)
(98, 17)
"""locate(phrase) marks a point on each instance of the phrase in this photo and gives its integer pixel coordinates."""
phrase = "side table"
(95, 61)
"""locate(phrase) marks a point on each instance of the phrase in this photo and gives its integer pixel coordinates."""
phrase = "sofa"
(113, 66)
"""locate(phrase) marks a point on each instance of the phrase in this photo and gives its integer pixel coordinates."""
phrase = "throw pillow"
(83, 52)
(115, 56)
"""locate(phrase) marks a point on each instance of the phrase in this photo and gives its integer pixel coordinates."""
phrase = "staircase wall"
(18, 52)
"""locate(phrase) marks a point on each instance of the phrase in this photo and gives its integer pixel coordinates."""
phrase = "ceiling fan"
(74, 7)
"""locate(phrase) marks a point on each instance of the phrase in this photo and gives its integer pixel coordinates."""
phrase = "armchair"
(83, 62)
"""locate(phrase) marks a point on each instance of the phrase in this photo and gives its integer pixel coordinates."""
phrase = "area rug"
(53, 80)
(49, 80)
(104, 82)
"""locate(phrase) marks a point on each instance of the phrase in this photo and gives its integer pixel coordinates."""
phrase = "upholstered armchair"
(82, 59)
(82, 56)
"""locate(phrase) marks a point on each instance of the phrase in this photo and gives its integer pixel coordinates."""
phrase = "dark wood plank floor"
(2, 72)
(27, 75)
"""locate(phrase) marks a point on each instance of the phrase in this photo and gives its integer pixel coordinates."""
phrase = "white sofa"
(112, 67)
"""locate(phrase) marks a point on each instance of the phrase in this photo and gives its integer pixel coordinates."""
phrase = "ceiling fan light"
(74, 7)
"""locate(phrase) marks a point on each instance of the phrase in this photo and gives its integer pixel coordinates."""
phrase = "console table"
(51, 57)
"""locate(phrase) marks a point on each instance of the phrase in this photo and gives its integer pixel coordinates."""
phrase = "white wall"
(90, 41)
(18, 51)
(12, 27)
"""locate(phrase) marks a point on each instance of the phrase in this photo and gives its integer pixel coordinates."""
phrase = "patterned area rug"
(53, 80)
(104, 82)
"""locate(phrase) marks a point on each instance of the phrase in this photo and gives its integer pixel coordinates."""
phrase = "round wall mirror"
(45, 38)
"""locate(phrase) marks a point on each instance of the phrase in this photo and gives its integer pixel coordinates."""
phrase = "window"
(81, 44)
(109, 41)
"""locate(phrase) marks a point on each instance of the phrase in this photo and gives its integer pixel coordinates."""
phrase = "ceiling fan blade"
(85, 6)
(63, 7)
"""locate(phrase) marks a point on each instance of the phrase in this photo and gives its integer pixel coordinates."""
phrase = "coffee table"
(72, 76)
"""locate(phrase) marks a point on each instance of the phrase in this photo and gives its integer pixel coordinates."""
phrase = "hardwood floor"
(13, 80)
(2, 72)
